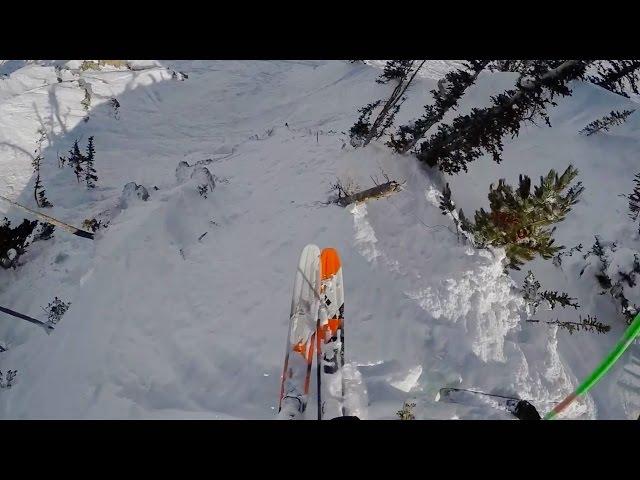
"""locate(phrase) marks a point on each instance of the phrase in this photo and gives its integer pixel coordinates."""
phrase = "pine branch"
(450, 89)
(561, 299)
(362, 127)
(363, 131)
(557, 260)
(448, 208)
(481, 131)
(605, 123)
(395, 70)
(446, 204)
(617, 75)
(390, 105)
(589, 324)
(533, 298)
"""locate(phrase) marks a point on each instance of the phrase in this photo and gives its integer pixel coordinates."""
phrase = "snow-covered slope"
(167, 323)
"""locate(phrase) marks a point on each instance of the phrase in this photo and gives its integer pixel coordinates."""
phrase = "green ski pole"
(629, 336)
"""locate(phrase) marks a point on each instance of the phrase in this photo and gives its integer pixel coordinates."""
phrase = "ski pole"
(600, 371)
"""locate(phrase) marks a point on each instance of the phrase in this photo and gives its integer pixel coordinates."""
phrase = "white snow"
(167, 323)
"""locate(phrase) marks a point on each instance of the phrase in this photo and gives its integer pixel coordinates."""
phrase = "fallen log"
(53, 221)
(379, 191)
(47, 326)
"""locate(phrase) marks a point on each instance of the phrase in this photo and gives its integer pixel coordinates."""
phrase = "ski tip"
(310, 250)
(330, 262)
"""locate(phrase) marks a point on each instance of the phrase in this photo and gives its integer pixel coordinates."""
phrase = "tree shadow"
(72, 200)
(10, 66)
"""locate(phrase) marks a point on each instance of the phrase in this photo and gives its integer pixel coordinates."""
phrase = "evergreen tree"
(606, 122)
(615, 287)
(362, 127)
(75, 160)
(450, 89)
(520, 221)
(90, 171)
(364, 131)
(14, 241)
(39, 193)
(446, 204)
(115, 104)
(395, 70)
(470, 136)
(617, 76)
(634, 199)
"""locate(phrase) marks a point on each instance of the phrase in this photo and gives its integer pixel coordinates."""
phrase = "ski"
(70, 228)
(330, 337)
(301, 337)
(518, 407)
(47, 326)
(629, 336)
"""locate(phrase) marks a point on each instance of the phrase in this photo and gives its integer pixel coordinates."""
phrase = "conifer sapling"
(521, 221)
(90, 171)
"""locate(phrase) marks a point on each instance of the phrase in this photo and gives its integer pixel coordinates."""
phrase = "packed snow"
(180, 306)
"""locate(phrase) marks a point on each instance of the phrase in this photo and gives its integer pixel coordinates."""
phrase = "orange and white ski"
(330, 337)
(301, 338)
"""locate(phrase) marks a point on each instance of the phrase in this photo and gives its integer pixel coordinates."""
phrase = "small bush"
(406, 412)
(93, 224)
(203, 190)
(55, 310)
(45, 232)
(8, 381)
